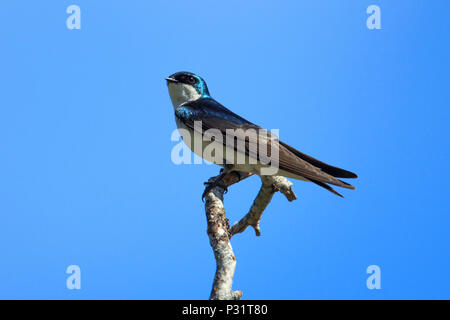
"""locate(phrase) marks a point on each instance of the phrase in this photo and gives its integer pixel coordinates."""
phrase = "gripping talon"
(216, 183)
(211, 185)
(207, 190)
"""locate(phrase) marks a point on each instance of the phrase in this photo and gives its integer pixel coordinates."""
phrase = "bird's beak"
(169, 79)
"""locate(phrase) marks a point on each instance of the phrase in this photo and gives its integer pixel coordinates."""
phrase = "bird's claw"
(212, 184)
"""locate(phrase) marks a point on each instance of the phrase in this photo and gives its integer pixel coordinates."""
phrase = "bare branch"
(270, 185)
(219, 232)
(219, 238)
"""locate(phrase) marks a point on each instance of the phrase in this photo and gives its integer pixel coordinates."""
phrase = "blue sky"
(86, 176)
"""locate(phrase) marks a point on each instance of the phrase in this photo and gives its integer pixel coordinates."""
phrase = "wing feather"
(215, 116)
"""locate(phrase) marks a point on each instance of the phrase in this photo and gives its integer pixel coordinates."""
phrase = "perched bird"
(192, 102)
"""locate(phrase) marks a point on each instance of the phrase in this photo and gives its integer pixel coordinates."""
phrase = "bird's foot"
(212, 184)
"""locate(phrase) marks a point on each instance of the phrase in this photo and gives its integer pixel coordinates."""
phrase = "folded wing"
(214, 116)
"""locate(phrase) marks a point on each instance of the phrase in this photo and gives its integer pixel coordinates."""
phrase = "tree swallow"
(192, 102)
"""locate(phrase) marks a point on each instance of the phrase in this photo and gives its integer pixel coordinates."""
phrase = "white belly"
(222, 154)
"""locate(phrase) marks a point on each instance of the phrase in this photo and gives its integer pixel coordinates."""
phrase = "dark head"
(186, 86)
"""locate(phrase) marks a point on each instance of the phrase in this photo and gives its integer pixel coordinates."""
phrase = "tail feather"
(324, 185)
(331, 170)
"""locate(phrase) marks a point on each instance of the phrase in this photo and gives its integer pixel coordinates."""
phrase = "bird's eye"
(191, 80)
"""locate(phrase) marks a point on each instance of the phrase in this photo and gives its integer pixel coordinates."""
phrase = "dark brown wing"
(334, 171)
(297, 166)
(290, 159)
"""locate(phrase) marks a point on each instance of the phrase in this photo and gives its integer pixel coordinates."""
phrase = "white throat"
(181, 93)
